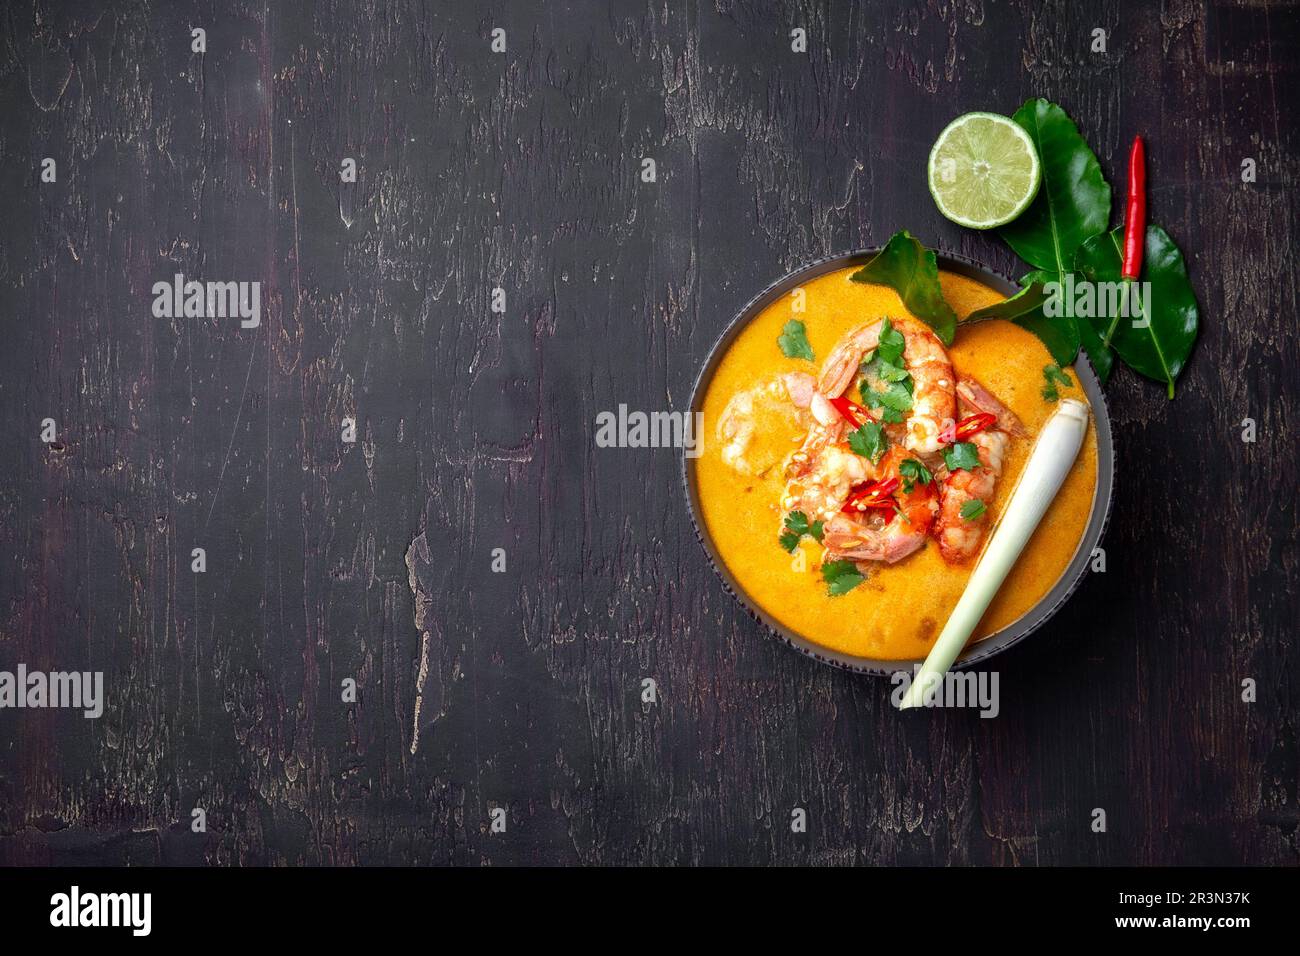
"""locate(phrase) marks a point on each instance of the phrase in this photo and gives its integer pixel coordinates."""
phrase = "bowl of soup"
(785, 489)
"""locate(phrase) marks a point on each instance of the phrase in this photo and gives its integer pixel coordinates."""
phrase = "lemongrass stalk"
(1050, 461)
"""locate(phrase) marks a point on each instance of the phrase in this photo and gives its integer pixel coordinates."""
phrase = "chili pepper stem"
(1114, 321)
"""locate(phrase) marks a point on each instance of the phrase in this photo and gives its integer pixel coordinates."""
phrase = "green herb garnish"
(972, 509)
(889, 349)
(892, 373)
(794, 341)
(1053, 373)
(961, 456)
(886, 361)
(914, 473)
(1053, 376)
(896, 398)
(796, 524)
(869, 441)
(841, 576)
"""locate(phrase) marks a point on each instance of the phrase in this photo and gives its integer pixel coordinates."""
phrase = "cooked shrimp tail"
(846, 537)
(846, 358)
(976, 398)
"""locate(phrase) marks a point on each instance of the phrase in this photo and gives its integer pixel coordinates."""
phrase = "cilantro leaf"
(1055, 376)
(841, 577)
(897, 398)
(869, 441)
(890, 347)
(962, 455)
(914, 473)
(972, 509)
(794, 341)
(891, 417)
(796, 524)
(892, 373)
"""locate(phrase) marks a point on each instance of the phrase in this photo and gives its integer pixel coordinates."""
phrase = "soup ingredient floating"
(983, 170)
(1053, 455)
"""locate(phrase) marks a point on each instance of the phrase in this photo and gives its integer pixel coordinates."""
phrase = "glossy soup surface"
(897, 613)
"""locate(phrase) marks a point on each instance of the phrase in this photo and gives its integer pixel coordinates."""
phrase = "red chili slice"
(970, 425)
(853, 413)
(874, 495)
(974, 423)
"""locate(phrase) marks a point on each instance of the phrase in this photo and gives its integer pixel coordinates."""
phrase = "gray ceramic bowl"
(1036, 616)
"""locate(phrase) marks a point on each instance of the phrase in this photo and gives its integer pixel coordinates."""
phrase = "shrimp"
(823, 472)
(960, 538)
(753, 417)
(927, 362)
(820, 478)
(858, 541)
(736, 430)
(873, 538)
(820, 474)
(801, 387)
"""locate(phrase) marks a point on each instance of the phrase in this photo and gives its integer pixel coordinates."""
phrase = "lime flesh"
(983, 170)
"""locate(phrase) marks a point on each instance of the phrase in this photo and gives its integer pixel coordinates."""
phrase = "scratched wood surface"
(370, 560)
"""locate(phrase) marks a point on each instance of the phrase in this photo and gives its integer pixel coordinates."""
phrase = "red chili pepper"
(855, 414)
(970, 425)
(875, 495)
(1135, 213)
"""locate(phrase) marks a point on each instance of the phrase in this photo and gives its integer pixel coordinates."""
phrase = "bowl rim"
(1015, 632)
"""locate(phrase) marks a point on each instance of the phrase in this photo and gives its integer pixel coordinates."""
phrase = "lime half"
(983, 170)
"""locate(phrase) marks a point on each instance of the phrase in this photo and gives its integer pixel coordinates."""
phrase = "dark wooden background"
(371, 560)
